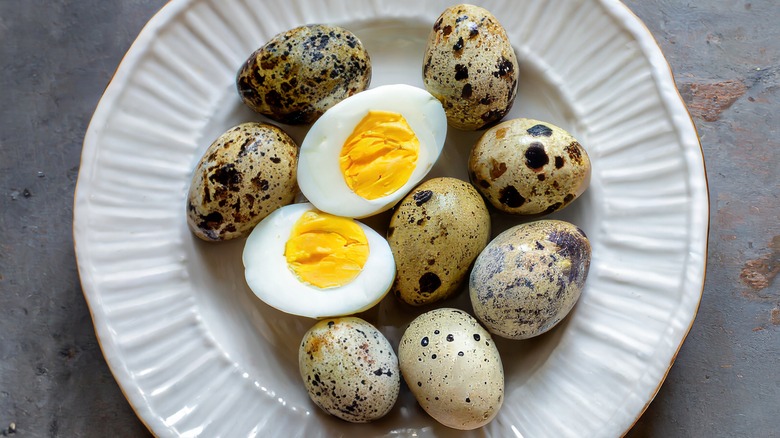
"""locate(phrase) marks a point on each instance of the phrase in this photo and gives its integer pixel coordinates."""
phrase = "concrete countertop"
(57, 56)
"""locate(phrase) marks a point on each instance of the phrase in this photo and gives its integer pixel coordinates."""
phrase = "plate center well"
(263, 342)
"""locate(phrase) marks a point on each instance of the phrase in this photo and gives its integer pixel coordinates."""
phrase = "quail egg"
(529, 167)
(470, 65)
(299, 74)
(246, 173)
(529, 277)
(306, 262)
(435, 233)
(349, 369)
(453, 368)
(368, 151)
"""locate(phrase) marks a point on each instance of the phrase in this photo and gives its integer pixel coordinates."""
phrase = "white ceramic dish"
(197, 354)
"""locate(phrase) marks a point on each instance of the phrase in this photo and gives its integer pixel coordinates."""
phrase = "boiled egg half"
(306, 262)
(369, 150)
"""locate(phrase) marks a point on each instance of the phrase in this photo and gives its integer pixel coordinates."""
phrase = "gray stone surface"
(726, 60)
(56, 57)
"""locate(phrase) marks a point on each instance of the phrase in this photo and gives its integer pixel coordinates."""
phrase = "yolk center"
(380, 155)
(325, 250)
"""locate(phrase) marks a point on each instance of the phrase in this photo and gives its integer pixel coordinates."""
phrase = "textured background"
(57, 56)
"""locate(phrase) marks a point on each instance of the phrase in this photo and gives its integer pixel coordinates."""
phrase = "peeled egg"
(369, 150)
(306, 262)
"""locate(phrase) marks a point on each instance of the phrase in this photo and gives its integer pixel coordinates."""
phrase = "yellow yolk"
(325, 250)
(380, 155)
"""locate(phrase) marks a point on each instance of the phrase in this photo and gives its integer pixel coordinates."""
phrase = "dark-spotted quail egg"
(436, 233)
(349, 369)
(299, 74)
(453, 368)
(529, 167)
(529, 277)
(469, 65)
(246, 173)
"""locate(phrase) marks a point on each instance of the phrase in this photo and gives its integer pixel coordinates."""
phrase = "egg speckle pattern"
(470, 65)
(529, 167)
(349, 369)
(529, 277)
(244, 175)
(435, 233)
(453, 368)
(299, 74)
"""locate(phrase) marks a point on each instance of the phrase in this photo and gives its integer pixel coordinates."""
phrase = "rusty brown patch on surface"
(759, 273)
(774, 316)
(708, 100)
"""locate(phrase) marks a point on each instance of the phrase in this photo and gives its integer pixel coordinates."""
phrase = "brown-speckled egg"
(470, 66)
(529, 167)
(453, 368)
(247, 173)
(529, 277)
(436, 233)
(349, 369)
(299, 74)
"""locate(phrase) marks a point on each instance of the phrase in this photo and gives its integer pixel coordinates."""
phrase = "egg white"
(319, 174)
(269, 277)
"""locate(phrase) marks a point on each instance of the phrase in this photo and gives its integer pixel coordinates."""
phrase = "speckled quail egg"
(469, 65)
(246, 173)
(368, 151)
(300, 73)
(529, 277)
(435, 233)
(306, 262)
(349, 369)
(529, 167)
(453, 368)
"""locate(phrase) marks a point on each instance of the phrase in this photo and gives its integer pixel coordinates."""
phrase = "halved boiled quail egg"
(369, 150)
(303, 261)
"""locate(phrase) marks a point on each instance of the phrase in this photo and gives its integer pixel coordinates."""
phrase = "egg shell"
(245, 174)
(319, 173)
(300, 73)
(529, 278)
(435, 233)
(453, 368)
(349, 369)
(269, 277)
(529, 167)
(470, 66)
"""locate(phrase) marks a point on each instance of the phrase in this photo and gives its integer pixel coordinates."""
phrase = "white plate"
(197, 354)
